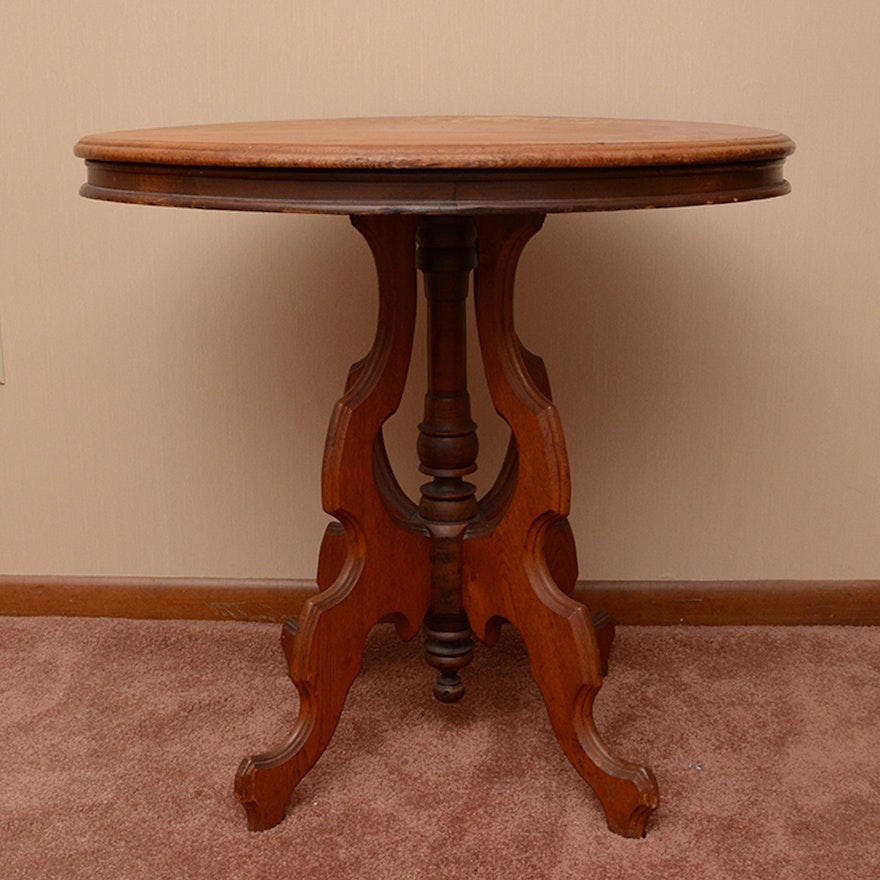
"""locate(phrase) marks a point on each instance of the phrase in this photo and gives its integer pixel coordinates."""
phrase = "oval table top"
(437, 164)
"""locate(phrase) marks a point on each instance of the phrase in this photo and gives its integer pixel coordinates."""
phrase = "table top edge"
(454, 143)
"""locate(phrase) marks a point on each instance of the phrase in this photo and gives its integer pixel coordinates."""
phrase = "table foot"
(265, 782)
(565, 661)
(325, 658)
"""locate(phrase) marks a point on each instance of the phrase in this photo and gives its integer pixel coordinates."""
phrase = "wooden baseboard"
(153, 598)
(643, 603)
(735, 603)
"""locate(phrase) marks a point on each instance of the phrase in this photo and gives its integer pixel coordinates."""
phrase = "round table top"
(439, 142)
(438, 164)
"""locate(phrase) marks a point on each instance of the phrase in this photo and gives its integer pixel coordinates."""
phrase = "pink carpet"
(121, 740)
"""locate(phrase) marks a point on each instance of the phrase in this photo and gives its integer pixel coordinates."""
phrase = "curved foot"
(328, 637)
(565, 660)
(628, 792)
(325, 658)
(265, 805)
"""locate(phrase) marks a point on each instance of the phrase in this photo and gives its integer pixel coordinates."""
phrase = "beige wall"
(169, 373)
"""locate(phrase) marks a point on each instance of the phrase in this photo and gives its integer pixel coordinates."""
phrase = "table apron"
(433, 192)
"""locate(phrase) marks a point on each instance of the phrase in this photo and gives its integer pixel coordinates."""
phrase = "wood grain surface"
(440, 142)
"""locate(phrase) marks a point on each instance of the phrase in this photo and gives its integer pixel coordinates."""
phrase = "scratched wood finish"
(447, 196)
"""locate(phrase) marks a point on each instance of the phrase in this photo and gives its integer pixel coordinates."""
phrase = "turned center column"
(447, 445)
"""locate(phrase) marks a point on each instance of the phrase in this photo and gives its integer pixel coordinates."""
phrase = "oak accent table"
(446, 196)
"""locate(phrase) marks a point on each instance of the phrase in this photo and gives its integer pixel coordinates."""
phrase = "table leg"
(563, 651)
(370, 583)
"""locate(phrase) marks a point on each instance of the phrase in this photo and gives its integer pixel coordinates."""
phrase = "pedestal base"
(453, 563)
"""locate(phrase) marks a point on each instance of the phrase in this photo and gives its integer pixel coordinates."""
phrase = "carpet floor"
(120, 740)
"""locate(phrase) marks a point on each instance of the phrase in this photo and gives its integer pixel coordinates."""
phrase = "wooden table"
(447, 196)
